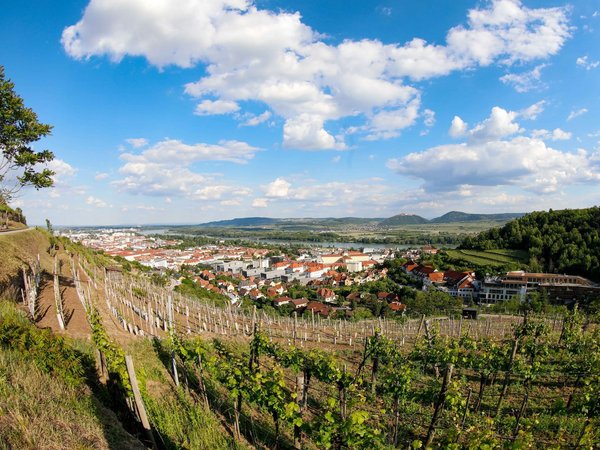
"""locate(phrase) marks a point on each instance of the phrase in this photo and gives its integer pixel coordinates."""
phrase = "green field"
(495, 258)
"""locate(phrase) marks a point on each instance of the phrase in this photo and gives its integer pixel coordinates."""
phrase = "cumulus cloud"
(492, 157)
(164, 169)
(500, 124)
(137, 142)
(101, 176)
(260, 203)
(96, 202)
(370, 194)
(525, 81)
(458, 127)
(555, 135)
(254, 54)
(254, 120)
(521, 161)
(210, 107)
(278, 188)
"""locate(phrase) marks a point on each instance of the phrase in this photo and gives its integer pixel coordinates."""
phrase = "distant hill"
(242, 222)
(308, 221)
(397, 220)
(403, 219)
(459, 216)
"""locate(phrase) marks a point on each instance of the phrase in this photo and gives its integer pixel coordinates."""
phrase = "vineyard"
(507, 382)
(494, 258)
(308, 382)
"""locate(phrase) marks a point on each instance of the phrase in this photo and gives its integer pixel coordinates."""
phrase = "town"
(323, 280)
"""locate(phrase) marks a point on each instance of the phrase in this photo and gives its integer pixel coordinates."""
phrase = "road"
(4, 233)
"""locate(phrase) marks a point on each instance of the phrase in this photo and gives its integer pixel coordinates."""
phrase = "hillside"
(565, 241)
(458, 216)
(336, 222)
(288, 222)
(215, 378)
(11, 219)
(242, 222)
(403, 219)
(54, 392)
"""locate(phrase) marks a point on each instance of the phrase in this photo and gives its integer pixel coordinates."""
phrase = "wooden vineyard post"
(203, 392)
(300, 401)
(420, 327)
(59, 310)
(511, 362)
(438, 406)
(139, 403)
(521, 412)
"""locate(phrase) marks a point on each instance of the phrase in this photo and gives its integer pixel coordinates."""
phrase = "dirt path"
(76, 324)
(110, 323)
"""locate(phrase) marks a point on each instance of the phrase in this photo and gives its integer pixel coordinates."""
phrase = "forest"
(564, 241)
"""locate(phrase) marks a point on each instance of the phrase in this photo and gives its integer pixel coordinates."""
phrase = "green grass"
(180, 421)
(45, 401)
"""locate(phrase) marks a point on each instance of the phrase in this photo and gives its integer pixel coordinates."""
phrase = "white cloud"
(164, 169)
(210, 107)
(499, 124)
(101, 176)
(306, 132)
(525, 81)
(278, 188)
(586, 64)
(217, 192)
(555, 135)
(458, 127)
(272, 57)
(523, 162)
(428, 117)
(260, 203)
(96, 202)
(532, 112)
(336, 159)
(230, 202)
(253, 120)
(576, 113)
(62, 170)
(137, 142)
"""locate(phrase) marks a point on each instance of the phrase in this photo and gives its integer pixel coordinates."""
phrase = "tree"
(19, 128)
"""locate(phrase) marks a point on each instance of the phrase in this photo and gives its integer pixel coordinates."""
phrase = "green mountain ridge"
(397, 220)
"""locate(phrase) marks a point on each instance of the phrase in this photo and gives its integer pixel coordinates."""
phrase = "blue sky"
(227, 108)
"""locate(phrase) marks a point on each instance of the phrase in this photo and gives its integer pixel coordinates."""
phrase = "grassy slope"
(19, 250)
(181, 422)
(40, 408)
(44, 400)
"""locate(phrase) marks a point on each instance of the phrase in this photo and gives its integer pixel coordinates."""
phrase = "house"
(318, 308)
(388, 297)
(327, 295)
(282, 301)
(397, 307)
(460, 284)
(329, 259)
(409, 266)
(429, 250)
(255, 294)
(299, 303)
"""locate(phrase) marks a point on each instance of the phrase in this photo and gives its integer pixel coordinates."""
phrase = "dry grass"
(19, 250)
(43, 412)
